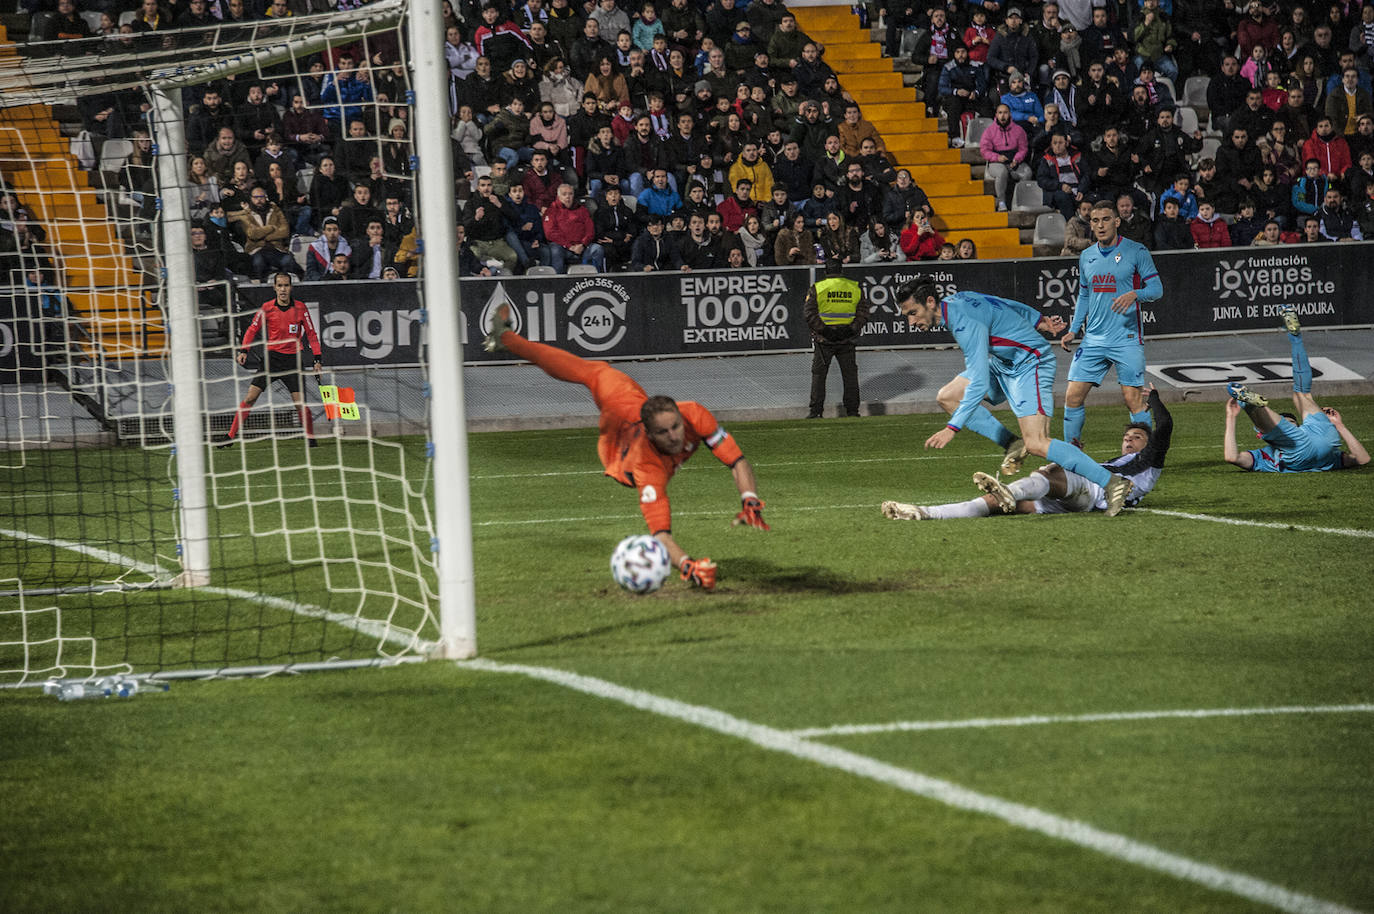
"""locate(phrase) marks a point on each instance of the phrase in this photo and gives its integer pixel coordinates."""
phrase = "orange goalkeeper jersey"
(632, 460)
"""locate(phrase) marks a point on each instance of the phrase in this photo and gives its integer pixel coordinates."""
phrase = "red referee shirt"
(285, 326)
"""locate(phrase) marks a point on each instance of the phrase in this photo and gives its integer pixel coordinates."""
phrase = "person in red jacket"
(919, 239)
(571, 235)
(283, 322)
(1208, 229)
(1329, 148)
(642, 439)
(734, 210)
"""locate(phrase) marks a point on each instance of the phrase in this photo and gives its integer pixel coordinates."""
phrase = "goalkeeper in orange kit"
(643, 439)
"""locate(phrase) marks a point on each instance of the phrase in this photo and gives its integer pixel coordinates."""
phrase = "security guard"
(836, 312)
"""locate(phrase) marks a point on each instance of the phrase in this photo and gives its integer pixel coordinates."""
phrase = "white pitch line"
(104, 555)
(981, 723)
(1268, 525)
(1016, 814)
(616, 517)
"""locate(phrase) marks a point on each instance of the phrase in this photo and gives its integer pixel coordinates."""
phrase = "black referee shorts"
(280, 367)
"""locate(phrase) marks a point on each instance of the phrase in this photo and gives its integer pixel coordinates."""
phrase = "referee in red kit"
(286, 320)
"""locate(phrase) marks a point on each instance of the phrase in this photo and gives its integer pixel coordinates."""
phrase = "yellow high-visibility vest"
(836, 299)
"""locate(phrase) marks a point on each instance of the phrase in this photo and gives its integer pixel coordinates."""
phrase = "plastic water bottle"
(104, 687)
(80, 690)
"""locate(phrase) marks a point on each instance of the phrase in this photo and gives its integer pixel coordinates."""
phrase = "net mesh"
(316, 552)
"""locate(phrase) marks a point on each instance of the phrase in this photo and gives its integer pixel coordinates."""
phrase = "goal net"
(134, 265)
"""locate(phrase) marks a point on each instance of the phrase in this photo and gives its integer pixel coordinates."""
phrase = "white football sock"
(1034, 486)
(975, 508)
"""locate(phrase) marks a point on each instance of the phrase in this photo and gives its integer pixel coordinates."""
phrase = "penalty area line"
(982, 723)
(1267, 525)
(950, 794)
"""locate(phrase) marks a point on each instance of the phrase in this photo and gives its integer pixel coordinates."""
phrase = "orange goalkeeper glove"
(751, 514)
(699, 573)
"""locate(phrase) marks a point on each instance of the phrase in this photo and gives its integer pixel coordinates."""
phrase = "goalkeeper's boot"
(1246, 397)
(1005, 500)
(897, 510)
(1118, 490)
(500, 323)
(1290, 320)
(227, 442)
(1013, 457)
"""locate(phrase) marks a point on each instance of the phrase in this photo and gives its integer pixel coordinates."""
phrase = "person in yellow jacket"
(751, 165)
(836, 312)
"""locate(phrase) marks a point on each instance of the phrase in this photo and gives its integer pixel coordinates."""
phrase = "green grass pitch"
(433, 787)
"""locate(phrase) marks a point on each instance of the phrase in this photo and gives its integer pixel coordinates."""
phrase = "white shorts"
(1082, 495)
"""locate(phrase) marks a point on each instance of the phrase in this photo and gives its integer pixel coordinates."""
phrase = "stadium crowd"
(705, 135)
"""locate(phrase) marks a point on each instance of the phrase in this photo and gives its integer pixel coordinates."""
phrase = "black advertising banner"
(648, 315)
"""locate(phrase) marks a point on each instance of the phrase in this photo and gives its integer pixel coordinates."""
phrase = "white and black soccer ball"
(640, 564)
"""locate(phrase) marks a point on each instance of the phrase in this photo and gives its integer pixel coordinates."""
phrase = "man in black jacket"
(653, 250)
(614, 224)
(1163, 152)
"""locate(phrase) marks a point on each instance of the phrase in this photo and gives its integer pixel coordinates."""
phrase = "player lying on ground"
(1309, 447)
(1005, 359)
(1114, 276)
(643, 439)
(1053, 490)
(284, 322)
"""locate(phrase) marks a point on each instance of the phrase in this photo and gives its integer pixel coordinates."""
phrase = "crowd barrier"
(675, 314)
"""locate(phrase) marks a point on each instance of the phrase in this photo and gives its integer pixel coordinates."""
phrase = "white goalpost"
(167, 557)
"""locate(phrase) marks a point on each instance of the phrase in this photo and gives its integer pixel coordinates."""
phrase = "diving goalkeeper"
(283, 322)
(643, 439)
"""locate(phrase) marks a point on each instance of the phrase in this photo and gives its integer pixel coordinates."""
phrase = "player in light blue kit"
(1114, 276)
(1311, 447)
(1005, 360)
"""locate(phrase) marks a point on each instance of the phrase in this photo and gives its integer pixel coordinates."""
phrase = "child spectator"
(1208, 229)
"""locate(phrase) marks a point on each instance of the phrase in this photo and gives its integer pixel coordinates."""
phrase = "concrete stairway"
(913, 139)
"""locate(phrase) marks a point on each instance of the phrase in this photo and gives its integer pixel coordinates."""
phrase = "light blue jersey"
(1312, 447)
(1102, 276)
(1005, 357)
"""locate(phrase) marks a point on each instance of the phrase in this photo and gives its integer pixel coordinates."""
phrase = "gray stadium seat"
(1168, 82)
(304, 177)
(974, 131)
(581, 269)
(92, 18)
(1049, 230)
(127, 17)
(38, 24)
(114, 154)
(1210, 145)
(1187, 120)
(541, 270)
(1027, 197)
(1195, 91)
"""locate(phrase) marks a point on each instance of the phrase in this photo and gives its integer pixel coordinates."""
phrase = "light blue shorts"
(1090, 364)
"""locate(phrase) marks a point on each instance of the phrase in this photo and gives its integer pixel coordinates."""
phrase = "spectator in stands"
(202, 188)
(854, 129)
(320, 255)
(857, 200)
(570, 233)
(1271, 234)
(305, 130)
(920, 240)
(1272, 200)
(353, 153)
(1310, 190)
(697, 249)
(879, 244)
(344, 93)
(1005, 148)
(1013, 51)
(1348, 102)
(658, 198)
(817, 206)
(750, 165)
(935, 50)
(652, 251)
(1110, 167)
(1135, 225)
(978, 36)
(904, 196)
(1237, 161)
(256, 119)
(354, 215)
(795, 245)
(1277, 150)
(508, 134)
(328, 191)
(1171, 232)
(838, 239)
(1163, 152)
(966, 249)
(1063, 95)
(1254, 117)
(1060, 176)
(1078, 233)
(963, 91)
(785, 45)
(283, 192)
(1256, 29)
(524, 229)
(1154, 40)
(1247, 224)
(1329, 149)
(266, 235)
(560, 88)
(734, 209)
(1311, 231)
(774, 215)
(519, 82)
(1101, 39)
(468, 264)
(1158, 92)
(1053, 125)
(615, 227)
(221, 155)
(1208, 229)
(1360, 175)
(486, 222)
(211, 272)
(1226, 93)
(754, 243)
(1335, 221)
(372, 253)
(1025, 106)
(1364, 212)
(235, 194)
(1182, 193)
(67, 24)
(794, 172)
(1138, 118)
(1100, 102)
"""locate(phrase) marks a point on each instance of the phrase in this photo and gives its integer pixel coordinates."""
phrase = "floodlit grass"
(435, 788)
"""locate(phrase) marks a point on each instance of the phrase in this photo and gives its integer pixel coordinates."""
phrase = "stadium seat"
(1170, 83)
(304, 177)
(92, 18)
(1210, 145)
(113, 155)
(1195, 91)
(630, 201)
(1187, 120)
(127, 17)
(541, 270)
(38, 24)
(1027, 197)
(581, 269)
(974, 132)
(1049, 230)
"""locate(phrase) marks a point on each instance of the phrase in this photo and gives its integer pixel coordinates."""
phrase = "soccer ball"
(640, 564)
